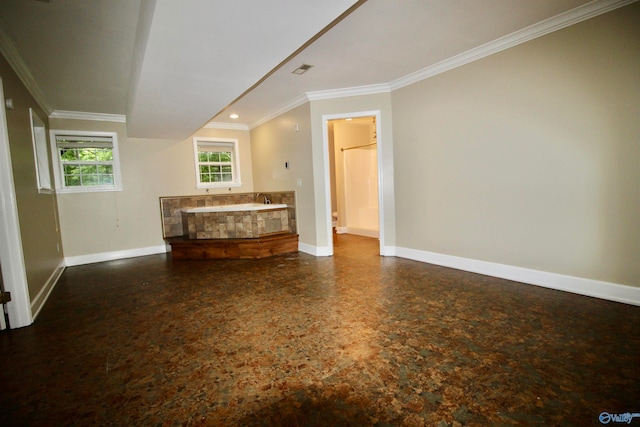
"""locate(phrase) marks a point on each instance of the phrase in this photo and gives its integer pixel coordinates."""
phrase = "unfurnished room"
(319, 213)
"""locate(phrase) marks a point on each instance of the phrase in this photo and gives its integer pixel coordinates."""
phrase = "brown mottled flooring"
(294, 340)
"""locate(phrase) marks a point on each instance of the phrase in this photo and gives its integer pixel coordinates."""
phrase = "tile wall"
(171, 208)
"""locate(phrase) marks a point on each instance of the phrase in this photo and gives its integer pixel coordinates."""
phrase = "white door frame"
(14, 273)
(327, 178)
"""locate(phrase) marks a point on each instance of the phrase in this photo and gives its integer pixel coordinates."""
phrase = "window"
(40, 153)
(217, 162)
(86, 161)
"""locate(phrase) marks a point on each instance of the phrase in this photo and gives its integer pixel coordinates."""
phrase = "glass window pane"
(89, 169)
(87, 154)
(106, 179)
(87, 160)
(219, 161)
(68, 154)
(72, 181)
(105, 169)
(70, 169)
(89, 179)
(104, 154)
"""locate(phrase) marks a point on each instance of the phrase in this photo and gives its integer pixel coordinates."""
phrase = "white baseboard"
(315, 250)
(388, 251)
(362, 232)
(110, 256)
(577, 285)
(38, 302)
(358, 231)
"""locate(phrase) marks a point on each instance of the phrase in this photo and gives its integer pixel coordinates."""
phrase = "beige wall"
(95, 223)
(39, 230)
(529, 157)
(276, 142)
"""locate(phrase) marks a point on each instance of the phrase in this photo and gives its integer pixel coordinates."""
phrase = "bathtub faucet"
(266, 201)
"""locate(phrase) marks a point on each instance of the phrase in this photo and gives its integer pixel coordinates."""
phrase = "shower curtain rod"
(358, 146)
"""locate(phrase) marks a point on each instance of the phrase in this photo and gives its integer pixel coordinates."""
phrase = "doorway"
(354, 189)
(353, 178)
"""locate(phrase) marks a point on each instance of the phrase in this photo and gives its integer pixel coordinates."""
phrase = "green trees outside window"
(215, 166)
(87, 161)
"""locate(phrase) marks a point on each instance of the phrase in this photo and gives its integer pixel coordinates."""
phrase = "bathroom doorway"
(353, 165)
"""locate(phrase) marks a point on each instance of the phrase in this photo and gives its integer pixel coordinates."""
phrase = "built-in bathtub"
(241, 207)
(236, 221)
(224, 226)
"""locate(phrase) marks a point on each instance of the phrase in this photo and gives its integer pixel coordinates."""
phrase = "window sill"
(220, 185)
(87, 190)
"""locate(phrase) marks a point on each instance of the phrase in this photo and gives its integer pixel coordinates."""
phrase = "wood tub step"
(260, 247)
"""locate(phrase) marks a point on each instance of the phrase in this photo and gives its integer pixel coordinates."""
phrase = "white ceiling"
(171, 66)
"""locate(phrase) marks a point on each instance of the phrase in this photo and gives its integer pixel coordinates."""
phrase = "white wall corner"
(577, 285)
(111, 256)
(315, 250)
(388, 251)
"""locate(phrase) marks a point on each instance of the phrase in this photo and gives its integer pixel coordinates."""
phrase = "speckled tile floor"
(294, 340)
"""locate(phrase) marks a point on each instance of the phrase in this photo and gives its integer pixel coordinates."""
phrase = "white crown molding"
(8, 49)
(349, 91)
(323, 94)
(229, 126)
(81, 115)
(566, 19)
(295, 102)
(558, 22)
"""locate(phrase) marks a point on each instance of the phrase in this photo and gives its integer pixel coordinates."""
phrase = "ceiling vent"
(302, 69)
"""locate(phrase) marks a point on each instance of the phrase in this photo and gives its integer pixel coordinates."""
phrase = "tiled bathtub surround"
(171, 207)
(235, 225)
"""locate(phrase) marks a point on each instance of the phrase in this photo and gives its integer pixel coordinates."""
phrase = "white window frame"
(58, 171)
(40, 153)
(226, 143)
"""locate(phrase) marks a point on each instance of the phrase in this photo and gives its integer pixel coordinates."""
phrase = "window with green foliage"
(216, 162)
(86, 161)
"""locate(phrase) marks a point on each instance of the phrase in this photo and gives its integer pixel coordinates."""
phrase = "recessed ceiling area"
(170, 67)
